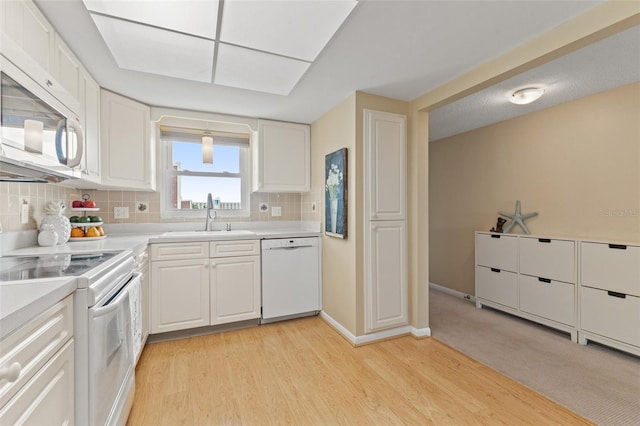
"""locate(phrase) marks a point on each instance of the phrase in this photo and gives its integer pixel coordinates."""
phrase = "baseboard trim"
(452, 292)
(377, 336)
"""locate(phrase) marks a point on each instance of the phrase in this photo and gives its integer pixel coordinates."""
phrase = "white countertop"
(21, 301)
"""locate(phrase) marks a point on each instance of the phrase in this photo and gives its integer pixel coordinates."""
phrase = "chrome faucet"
(209, 222)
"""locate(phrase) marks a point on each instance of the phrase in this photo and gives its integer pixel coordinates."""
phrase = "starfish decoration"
(518, 218)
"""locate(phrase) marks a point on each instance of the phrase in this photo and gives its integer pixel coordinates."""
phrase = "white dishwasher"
(290, 278)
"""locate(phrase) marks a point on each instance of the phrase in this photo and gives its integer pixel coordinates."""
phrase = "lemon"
(92, 232)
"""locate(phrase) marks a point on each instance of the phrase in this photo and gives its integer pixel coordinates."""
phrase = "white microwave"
(40, 138)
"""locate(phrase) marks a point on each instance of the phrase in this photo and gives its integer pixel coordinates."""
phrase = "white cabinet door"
(67, 69)
(385, 148)
(179, 295)
(497, 251)
(386, 284)
(48, 398)
(128, 156)
(496, 285)
(25, 30)
(235, 289)
(548, 258)
(614, 267)
(282, 157)
(90, 118)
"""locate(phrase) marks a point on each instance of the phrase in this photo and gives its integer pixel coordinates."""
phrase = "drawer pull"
(616, 294)
(495, 270)
(545, 280)
(618, 246)
(495, 236)
(11, 373)
(544, 240)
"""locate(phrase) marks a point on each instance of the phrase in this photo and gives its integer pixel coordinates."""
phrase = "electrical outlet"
(276, 211)
(24, 210)
(121, 212)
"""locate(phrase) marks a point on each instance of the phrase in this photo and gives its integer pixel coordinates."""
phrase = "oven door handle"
(113, 306)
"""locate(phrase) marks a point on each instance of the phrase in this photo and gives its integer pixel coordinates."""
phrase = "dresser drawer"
(178, 251)
(497, 251)
(611, 267)
(609, 316)
(548, 258)
(32, 345)
(234, 248)
(497, 286)
(554, 300)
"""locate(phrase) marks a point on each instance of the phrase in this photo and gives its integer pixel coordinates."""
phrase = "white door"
(235, 289)
(385, 150)
(179, 295)
(386, 284)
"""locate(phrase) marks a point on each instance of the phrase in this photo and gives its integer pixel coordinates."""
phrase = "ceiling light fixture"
(525, 96)
(207, 149)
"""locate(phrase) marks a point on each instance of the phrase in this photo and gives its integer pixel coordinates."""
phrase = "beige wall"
(343, 260)
(335, 130)
(577, 164)
(39, 194)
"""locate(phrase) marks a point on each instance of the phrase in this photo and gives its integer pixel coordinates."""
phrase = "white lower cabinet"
(200, 284)
(179, 294)
(386, 289)
(548, 298)
(37, 370)
(235, 289)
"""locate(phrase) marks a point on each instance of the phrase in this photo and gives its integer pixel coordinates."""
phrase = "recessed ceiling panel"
(151, 50)
(252, 70)
(299, 29)
(188, 16)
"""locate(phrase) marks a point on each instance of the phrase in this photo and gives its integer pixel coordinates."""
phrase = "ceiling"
(399, 49)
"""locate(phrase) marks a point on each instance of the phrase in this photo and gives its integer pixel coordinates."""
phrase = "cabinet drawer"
(234, 248)
(610, 316)
(497, 286)
(553, 300)
(611, 267)
(497, 251)
(541, 257)
(34, 344)
(178, 251)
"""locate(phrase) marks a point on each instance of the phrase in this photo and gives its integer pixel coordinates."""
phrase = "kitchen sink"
(212, 234)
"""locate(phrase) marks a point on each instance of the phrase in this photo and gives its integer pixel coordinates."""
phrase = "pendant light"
(207, 149)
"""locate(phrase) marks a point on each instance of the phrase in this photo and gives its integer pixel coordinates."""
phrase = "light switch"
(276, 211)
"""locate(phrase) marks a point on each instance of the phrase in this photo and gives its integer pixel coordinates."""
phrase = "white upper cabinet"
(29, 41)
(282, 157)
(128, 155)
(386, 159)
(90, 120)
(67, 68)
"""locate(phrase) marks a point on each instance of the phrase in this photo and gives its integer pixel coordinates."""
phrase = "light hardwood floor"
(302, 372)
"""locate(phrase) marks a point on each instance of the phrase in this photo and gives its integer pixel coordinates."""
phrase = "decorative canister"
(48, 236)
(60, 223)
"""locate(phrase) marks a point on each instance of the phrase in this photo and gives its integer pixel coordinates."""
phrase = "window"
(188, 180)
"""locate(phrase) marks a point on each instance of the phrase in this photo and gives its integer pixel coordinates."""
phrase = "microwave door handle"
(60, 132)
(75, 161)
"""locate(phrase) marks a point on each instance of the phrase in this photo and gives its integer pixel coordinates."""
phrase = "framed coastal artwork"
(335, 205)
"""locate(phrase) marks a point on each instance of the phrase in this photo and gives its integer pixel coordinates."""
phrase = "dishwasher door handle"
(289, 248)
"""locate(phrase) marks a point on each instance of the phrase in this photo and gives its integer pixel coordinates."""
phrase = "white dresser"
(529, 276)
(610, 294)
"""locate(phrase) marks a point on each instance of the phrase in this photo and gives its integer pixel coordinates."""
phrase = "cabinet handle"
(616, 294)
(49, 83)
(495, 236)
(544, 280)
(544, 240)
(618, 246)
(11, 373)
(495, 270)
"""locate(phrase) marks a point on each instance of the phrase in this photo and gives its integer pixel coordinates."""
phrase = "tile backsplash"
(144, 207)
